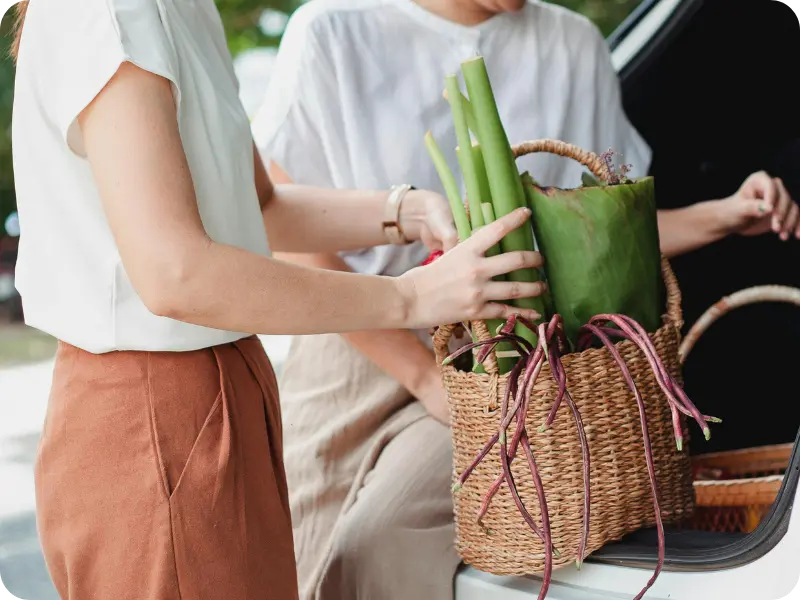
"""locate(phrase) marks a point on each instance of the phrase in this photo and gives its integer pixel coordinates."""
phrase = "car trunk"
(712, 94)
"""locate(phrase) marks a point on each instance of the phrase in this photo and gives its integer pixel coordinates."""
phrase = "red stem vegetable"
(648, 450)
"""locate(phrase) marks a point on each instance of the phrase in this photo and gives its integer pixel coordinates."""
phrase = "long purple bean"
(667, 383)
(560, 374)
(658, 371)
(662, 377)
(646, 348)
(648, 451)
(531, 373)
(509, 477)
(533, 368)
(481, 455)
(513, 376)
(553, 328)
(505, 330)
(681, 395)
(676, 388)
(548, 541)
(520, 344)
(544, 534)
(495, 340)
(534, 361)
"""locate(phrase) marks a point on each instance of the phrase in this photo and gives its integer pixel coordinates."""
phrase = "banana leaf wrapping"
(601, 250)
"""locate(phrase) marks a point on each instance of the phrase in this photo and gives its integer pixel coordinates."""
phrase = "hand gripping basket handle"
(599, 169)
(752, 295)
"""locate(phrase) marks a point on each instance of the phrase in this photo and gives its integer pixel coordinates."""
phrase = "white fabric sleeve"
(87, 42)
(296, 125)
(610, 119)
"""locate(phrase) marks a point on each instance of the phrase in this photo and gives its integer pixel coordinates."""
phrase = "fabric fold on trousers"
(160, 477)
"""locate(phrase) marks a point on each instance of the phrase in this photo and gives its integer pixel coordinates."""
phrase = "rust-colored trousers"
(160, 477)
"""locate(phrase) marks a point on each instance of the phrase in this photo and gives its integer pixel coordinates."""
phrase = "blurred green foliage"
(607, 14)
(6, 99)
(241, 19)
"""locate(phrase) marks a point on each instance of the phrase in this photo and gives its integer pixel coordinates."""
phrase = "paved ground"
(23, 400)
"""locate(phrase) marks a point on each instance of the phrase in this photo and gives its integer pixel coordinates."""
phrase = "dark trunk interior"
(716, 103)
(714, 99)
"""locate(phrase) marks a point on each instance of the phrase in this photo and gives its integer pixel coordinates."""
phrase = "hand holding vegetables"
(459, 286)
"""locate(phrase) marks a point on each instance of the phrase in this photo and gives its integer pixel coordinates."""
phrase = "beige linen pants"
(369, 476)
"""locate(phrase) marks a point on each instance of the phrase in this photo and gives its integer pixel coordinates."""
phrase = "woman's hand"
(760, 205)
(426, 216)
(459, 285)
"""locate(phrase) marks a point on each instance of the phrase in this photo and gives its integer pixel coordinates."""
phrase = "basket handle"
(590, 160)
(752, 295)
(441, 344)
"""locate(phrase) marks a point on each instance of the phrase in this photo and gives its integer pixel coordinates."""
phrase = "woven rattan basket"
(736, 489)
(743, 487)
(621, 500)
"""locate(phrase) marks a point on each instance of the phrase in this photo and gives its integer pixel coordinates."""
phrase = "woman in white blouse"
(356, 85)
(144, 212)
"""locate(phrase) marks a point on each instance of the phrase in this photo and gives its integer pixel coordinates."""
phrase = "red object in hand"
(432, 257)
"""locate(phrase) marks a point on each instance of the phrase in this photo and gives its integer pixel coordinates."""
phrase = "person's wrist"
(407, 298)
(717, 223)
(412, 214)
(396, 207)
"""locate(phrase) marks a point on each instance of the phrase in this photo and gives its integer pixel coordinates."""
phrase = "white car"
(704, 82)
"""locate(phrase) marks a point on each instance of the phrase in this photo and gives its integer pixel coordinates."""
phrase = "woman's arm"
(397, 352)
(683, 230)
(414, 368)
(134, 147)
(760, 205)
(308, 219)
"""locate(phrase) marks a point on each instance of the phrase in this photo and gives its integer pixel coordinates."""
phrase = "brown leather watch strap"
(391, 221)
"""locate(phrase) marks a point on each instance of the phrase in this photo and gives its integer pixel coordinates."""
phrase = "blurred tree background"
(249, 24)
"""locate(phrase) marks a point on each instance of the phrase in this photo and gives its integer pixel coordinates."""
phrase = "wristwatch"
(391, 221)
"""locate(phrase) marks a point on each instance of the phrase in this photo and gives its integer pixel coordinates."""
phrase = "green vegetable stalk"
(469, 112)
(483, 179)
(450, 187)
(504, 180)
(488, 216)
(466, 160)
(456, 206)
(504, 362)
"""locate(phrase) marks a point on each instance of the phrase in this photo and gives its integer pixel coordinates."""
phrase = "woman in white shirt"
(356, 85)
(144, 211)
